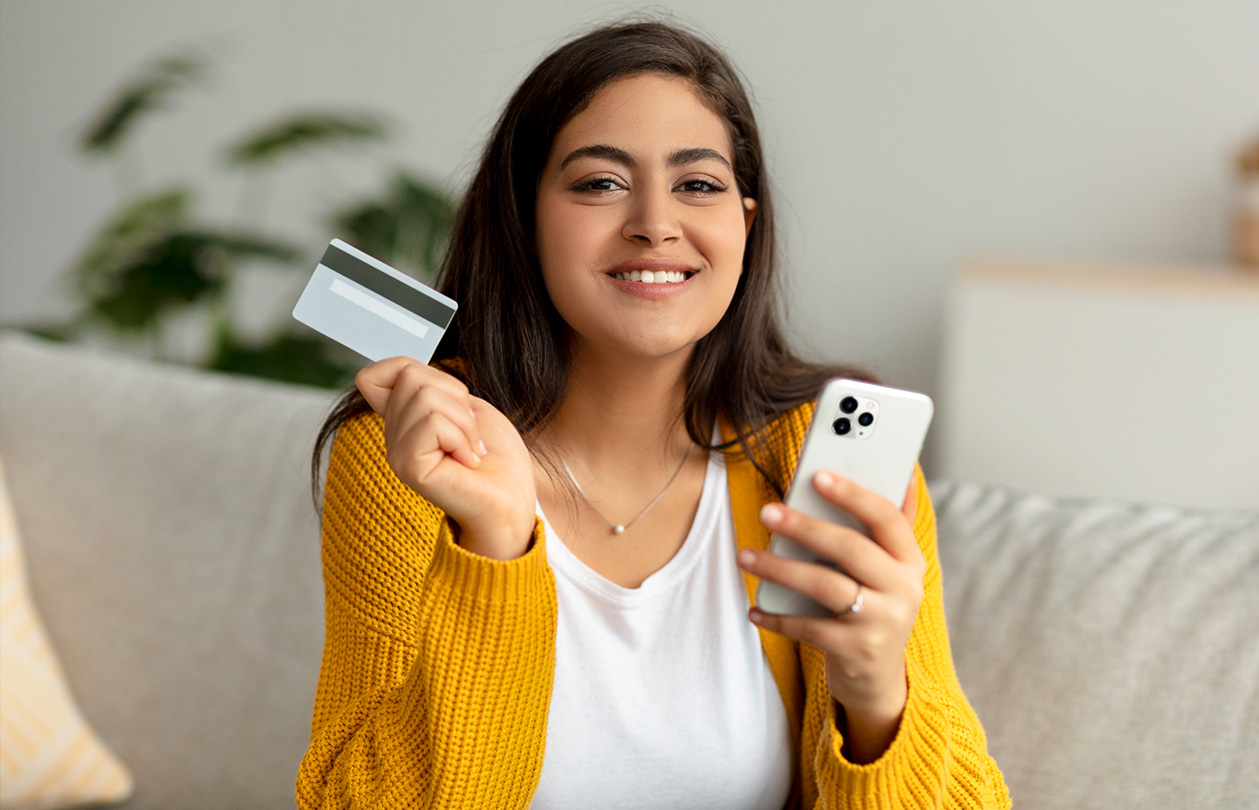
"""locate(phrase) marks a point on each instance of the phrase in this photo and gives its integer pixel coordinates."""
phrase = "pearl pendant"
(618, 529)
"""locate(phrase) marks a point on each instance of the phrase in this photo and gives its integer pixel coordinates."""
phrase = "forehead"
(650, 112)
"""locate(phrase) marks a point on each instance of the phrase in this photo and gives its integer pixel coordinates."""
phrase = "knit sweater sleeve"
(437, 663)
(939, 756)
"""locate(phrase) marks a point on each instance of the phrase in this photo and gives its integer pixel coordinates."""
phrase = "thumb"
(376, 382)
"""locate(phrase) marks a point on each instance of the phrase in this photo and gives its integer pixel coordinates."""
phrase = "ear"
(749, 215)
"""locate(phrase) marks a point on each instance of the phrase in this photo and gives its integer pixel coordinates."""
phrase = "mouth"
(653, 270)
(654, 276)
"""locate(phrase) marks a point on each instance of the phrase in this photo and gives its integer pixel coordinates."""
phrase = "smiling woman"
(539, 552)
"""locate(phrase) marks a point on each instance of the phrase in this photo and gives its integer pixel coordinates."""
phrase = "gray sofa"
(1112, 651)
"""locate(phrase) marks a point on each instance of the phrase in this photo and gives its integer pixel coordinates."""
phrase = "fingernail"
(483, 450)
(746, 558)
(770, 514)
(824, 479)
(756, 616)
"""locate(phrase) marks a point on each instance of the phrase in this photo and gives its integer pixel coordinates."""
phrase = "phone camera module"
(842, 426)
(866, 419)
(848, 404)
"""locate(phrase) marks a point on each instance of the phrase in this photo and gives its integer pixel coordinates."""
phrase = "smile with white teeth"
(650, 277)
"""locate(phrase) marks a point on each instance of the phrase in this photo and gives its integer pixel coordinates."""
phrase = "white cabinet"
(1135, 383)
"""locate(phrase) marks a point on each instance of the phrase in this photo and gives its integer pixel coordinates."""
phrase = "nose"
(652, 218)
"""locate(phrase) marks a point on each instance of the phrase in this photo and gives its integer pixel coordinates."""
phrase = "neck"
(625, 413)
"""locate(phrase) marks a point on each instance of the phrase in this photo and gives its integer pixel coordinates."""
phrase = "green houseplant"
(159, 256)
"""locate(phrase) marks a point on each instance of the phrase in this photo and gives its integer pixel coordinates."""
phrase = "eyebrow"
(679, 157)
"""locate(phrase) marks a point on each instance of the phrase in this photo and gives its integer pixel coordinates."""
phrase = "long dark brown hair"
(507, 333)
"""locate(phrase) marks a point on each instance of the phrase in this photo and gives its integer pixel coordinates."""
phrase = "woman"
(533, 598)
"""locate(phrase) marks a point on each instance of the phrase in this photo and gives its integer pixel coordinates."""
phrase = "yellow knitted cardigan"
(437, 668)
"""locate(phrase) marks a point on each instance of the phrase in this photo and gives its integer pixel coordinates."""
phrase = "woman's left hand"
(865, 649)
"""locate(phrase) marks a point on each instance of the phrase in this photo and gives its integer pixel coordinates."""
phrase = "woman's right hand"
(457, 451)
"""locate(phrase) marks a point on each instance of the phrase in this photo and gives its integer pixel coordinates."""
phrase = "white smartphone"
(867, 433)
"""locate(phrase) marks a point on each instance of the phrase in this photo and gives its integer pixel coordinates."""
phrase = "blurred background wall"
(904, 137)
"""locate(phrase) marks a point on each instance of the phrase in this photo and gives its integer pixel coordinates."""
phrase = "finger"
(418, 375)
(490, 423)
(379, 381)
(403, 411)
(397, 381)
(425, 444)
(823, 632)
(832, 589)
(375, 382)
(860, 557)
(886, 523)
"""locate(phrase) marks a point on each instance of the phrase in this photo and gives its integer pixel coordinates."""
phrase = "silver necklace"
(619, 528)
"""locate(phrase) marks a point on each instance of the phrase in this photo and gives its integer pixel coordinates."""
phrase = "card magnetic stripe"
(360, 272)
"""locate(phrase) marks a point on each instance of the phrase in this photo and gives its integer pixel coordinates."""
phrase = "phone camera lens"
(848, 404)
(842, 426)
(866, 419)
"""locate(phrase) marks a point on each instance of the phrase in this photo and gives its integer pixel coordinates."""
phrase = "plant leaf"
(129, 233)
(236, 246)
(408, 227)
(156, 83)
(302, 132)
(302, 359)
(174, 270)
(425, 218)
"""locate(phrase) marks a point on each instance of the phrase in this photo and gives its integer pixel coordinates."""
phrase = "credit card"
(368, 306)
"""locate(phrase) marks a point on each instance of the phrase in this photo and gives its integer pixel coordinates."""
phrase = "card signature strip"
(385, 285)
(356, 296)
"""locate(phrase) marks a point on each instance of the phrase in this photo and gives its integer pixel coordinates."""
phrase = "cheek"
(724, 239)
(546, 230)
(564, 234)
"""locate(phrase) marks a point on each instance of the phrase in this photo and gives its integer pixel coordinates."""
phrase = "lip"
(652, 292)
(654, 263)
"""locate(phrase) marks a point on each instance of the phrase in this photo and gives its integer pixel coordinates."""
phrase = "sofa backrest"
(173, 549)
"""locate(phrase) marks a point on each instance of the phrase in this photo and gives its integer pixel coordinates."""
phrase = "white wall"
(1137, 384)
(904, 136)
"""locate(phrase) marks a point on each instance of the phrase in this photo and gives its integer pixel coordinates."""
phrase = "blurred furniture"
(1134, 383)
(1110, 650)
(173, 550)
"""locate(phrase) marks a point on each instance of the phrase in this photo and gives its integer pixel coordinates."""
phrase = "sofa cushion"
(49, 756)
(1111, 650)
(174, 552)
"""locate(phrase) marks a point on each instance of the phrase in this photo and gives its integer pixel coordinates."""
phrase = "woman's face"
(640, 226)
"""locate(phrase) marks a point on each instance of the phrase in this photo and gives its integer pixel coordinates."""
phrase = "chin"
(663, 348)
(641, 339)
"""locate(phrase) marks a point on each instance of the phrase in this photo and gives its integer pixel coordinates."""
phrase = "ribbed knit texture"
(438, 664)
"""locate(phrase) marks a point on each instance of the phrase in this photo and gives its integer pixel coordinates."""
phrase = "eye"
(600, 184)
(701, 187)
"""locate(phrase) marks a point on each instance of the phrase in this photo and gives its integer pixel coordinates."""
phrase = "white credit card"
(368, 306)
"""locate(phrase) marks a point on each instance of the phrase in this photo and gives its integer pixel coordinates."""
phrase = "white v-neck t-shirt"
(663, 697)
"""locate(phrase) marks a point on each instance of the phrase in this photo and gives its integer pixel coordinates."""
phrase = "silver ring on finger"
(857, 602)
